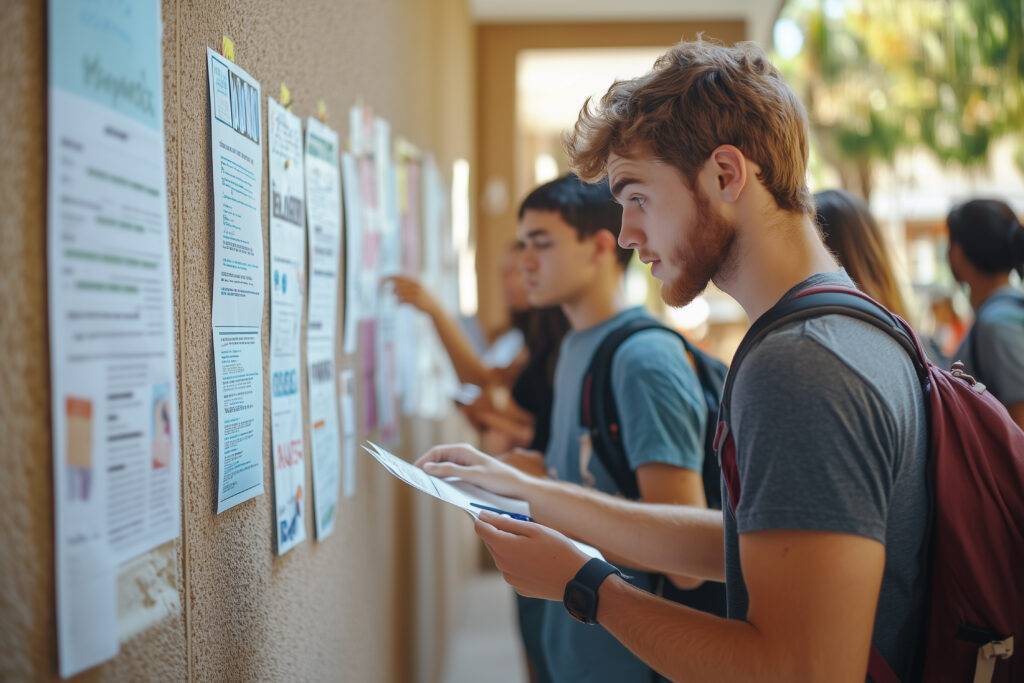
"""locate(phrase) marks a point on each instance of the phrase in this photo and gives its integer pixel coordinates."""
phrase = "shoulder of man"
(824, 411)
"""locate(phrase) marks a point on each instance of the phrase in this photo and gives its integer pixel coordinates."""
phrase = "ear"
(728, 168)
(605, 243)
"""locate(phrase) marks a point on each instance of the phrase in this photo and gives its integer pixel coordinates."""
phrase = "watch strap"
(594, 572)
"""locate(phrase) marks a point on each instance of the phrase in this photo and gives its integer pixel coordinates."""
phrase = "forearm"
(670, 539)
(467, 364)
(685, 644)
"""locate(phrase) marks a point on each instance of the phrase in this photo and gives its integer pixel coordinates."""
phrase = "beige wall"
(497, 46)
(370, 603)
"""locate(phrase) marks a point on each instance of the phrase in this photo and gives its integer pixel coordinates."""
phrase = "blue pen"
(513, 515)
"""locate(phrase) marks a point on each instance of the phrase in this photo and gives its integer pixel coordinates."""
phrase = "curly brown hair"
(700, 95)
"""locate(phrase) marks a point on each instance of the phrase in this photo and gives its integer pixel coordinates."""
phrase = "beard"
(709, 255)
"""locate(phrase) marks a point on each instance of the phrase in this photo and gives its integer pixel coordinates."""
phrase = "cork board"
(371, 603)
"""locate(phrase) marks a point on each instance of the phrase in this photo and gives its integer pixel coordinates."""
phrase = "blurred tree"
(878, 76)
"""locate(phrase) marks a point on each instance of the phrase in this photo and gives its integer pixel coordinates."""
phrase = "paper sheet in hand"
(454, 491)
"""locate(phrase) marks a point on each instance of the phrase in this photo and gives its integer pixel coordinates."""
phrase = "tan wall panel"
(347, 608)
(497, 48)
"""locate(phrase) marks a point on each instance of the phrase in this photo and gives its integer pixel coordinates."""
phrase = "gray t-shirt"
(831, 434)
(662, 415)
(993, 351)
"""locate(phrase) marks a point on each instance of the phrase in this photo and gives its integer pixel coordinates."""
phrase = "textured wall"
(371, 602)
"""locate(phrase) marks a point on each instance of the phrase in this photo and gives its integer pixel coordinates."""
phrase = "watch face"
(579, 601)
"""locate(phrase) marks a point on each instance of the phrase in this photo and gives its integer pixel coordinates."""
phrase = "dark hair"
(989, 234)
(851, 233)
(543, 330)
(588, 208)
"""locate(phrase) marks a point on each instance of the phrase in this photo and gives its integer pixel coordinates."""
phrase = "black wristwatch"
(580, 597)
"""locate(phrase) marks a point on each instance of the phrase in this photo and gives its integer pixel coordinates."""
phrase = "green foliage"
(878, 76)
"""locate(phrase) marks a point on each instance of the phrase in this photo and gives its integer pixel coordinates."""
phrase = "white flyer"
(323, 211)
(115, 414)
(389, 263)
(238, 278)
(287, 285)
(353, 255)
(458, 492)
(347, 390)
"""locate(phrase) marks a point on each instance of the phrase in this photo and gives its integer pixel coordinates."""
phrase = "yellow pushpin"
(227, 48)
(285, 97)
(321, 111)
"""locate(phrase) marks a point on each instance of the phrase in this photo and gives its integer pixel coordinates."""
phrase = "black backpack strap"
(598, 412)
(817, 302)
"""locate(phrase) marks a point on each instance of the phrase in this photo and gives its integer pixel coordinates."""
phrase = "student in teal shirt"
(568, 232)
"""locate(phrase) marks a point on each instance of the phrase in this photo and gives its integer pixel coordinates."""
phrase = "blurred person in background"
(508, 383)
(852, 234)
(986, 244)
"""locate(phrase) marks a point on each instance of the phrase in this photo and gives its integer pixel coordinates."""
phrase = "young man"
(707, 154)
(567, 233)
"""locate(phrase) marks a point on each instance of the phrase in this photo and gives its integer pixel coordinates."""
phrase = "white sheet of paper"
(287, 284)
(347, 391)
(353, 237)
(457, 492)
(323, 211)
(115, 431)
(389, 263)
(238, 277)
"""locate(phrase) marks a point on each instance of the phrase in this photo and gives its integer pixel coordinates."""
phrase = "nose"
(631, 235)
(528, 260)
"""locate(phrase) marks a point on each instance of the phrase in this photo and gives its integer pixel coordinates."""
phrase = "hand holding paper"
(461, 492)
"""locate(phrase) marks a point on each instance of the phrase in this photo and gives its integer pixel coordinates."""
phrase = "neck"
(770, 258)
(597, 302)
(984, 286)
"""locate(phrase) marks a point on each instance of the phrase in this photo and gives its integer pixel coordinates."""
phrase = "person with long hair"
(853, 235)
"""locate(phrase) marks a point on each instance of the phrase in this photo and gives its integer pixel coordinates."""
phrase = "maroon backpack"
(975, 600)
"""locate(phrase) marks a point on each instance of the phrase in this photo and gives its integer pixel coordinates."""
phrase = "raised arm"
(468, 365)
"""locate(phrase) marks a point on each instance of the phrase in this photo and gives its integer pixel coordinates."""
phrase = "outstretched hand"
(535, 560)
(410, 291)
(465, 462)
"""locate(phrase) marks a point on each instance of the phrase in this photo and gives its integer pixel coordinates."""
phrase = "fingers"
(459, 454)
(509, 526)
(444, 470)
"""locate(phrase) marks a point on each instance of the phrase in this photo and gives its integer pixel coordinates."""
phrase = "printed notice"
(347, 388)
(323, 213)
(236, 147)
(115, 431)
(287, 281)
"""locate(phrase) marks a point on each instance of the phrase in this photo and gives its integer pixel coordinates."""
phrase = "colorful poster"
(115, 413)
(238, 279)
(287, 284)
(323, 211)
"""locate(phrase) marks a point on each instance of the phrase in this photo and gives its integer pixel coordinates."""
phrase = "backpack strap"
(598, 412)
(811, 303)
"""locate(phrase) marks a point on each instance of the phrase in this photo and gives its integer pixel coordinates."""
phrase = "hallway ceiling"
(759, 14)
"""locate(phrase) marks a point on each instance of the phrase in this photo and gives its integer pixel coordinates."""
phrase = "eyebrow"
(536, 232)
(621, 184)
